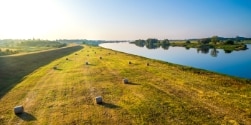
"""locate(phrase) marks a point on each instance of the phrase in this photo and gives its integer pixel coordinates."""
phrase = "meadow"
(62, 90)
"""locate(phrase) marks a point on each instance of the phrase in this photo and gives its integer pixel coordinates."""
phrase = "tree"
(188, 42)
(7, 51)
(140, 43)
(214, 39)
(165, 42)
(229, 42)
(204, 41)
(152, 43)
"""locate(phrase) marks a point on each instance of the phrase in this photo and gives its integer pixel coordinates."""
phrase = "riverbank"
(158, 93)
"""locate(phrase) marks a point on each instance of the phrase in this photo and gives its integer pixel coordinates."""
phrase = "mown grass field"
(162, 93)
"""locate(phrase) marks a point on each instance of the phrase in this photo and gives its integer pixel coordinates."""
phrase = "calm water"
(236, 63)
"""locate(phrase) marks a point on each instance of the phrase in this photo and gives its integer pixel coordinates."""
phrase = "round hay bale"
(18, 109)
(147, 64)
(100, 57)
(99, 100)
(86, 63)
(76, 54)
(129, 62)
(125, 81)
(95, 52)
(67, 59)
(54, 67)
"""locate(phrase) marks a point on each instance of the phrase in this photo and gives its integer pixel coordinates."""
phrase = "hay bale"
(95, 52)
(125, 81)
(100, 57)
(67, 59)
(99, 100)
(129, 62)
(18, 109)
(54, 67)
(86, 63)
(147, 64)
(76, 54)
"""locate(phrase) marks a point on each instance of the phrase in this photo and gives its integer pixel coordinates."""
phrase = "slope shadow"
(14, 68)
(26, 116)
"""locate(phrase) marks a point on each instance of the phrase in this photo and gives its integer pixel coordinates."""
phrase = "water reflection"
(214, 52)
(204, 49)
(187, 48)
(228, 51)
(165, 47)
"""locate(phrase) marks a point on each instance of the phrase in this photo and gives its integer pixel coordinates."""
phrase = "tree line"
(152, 43)
(39, 43)
(7, 52)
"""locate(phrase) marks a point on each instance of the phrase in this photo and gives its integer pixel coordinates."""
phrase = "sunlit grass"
(162, 93)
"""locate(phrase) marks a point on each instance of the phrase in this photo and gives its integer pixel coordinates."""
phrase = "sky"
(124, 19)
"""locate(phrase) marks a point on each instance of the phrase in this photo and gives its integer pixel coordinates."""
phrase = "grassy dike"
(162, 93)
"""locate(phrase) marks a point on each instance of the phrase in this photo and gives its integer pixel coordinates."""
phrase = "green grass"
(162, 93)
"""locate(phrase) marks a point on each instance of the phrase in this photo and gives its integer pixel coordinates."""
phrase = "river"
(235, 63)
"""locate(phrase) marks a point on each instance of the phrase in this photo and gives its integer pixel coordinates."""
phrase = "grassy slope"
(161, 93)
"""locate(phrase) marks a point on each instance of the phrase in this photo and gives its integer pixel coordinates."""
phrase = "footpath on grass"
(64, 91)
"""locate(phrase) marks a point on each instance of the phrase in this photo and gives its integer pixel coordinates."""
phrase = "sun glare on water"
(30, 18)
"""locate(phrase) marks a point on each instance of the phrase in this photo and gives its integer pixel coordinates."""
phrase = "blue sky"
(124, 19)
